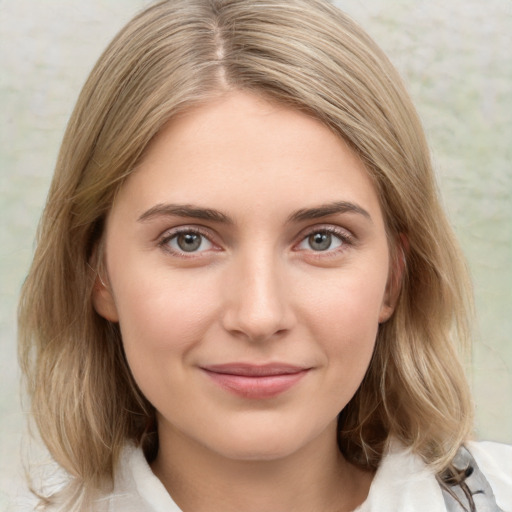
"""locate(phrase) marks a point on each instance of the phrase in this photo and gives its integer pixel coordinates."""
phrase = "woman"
(245, 294)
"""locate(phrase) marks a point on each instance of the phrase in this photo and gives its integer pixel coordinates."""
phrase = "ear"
(396, 275)
(103, 300)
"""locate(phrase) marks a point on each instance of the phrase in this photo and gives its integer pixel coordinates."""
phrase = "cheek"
(343, 315)
(161, 321)
(348, 347)
(157, 304)
(348, 303)
(349, 341)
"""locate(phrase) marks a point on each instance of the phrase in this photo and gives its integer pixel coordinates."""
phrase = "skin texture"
(257, 290)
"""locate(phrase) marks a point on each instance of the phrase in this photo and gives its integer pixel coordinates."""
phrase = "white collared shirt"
(402, 483)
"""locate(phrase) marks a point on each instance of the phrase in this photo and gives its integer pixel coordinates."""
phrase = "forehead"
(241, 150)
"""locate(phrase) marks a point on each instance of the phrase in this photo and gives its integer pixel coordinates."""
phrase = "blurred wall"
(455, 58)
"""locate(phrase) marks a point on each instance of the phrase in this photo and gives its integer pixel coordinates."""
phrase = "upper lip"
(255, 370)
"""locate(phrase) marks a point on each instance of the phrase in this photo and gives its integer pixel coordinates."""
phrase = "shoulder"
(495, 462)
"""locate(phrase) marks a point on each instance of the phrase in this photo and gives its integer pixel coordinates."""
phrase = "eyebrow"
(326, 210)
(197, 212)
(185, 210)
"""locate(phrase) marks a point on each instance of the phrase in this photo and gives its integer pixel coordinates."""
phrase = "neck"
(316, 477)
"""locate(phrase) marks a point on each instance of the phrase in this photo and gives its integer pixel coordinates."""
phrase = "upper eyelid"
(189, 228)
(330, 228)
(206, 230)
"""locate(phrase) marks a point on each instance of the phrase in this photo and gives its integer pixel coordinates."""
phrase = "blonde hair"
(307, 55)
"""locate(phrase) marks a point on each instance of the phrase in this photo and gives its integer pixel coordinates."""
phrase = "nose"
(257, 304)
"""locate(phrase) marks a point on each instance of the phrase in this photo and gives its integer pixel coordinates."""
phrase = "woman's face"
(247, 265)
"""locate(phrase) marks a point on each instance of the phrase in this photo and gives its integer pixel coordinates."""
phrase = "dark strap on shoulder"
(465, 488)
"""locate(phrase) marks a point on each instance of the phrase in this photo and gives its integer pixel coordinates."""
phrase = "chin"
(256, 451)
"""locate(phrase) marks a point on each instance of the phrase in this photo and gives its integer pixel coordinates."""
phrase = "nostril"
(259, 326)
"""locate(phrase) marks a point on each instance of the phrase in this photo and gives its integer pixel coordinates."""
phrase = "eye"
(189, 241)
(323, 240)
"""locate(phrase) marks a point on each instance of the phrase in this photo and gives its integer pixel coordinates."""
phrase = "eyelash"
(345, 237)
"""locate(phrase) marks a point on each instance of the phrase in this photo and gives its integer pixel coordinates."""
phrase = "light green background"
(455, 57)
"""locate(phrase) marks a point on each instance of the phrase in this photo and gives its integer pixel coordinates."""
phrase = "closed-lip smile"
(255, 381)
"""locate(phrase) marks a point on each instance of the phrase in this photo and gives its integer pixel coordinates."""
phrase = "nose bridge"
(257, 302)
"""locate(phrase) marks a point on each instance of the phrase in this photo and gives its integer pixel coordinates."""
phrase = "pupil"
(320, 241)
(189, 242)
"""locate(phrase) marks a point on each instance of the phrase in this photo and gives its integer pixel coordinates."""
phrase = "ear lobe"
(386, 311)
(103, 300)
(396, 275)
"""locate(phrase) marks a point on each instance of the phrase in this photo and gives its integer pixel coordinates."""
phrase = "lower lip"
(257, 387)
